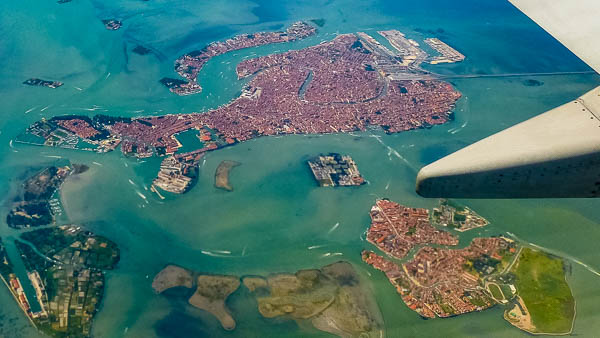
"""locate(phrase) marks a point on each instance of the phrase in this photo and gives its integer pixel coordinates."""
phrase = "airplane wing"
(555, 154)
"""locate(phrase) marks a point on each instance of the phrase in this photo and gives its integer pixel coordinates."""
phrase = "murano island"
(441, 281)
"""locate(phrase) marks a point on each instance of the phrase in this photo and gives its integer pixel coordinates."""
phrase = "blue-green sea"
(276, 210)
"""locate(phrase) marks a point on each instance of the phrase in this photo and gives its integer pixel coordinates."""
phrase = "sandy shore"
(172, 276)
(211, 294)
(222, 174)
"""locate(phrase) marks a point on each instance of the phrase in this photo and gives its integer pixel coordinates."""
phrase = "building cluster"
(176, 174)
(79, 127)
(143, 135)
(112, 24)
(17, 291)
(332, 103)
(459, 218)
(189, 65)
(440, 282)
(396, 229)
(335, 170)
(332, 72)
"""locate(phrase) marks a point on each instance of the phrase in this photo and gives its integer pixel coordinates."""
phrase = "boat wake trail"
(392, 151)
(335, 226)
(561, 254)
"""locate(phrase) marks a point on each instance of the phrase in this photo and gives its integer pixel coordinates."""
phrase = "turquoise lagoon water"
(276, 211)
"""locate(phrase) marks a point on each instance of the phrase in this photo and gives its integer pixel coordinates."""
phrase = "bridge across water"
(469, 76)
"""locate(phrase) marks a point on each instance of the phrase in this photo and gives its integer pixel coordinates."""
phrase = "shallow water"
(276, 211)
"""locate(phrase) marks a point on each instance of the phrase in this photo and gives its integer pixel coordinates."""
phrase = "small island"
(112, 24)
(172, 276)
(335, 170)
(211, 293)
(222, 174)
(457, 217)
(36, 203)
(42, 83)
(332, 298)
(177, 174)
(211, 290)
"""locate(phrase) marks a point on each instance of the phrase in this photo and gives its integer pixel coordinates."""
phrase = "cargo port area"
(404, 61)
(447, 53)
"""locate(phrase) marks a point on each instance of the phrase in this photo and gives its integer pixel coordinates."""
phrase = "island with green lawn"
(544, 302)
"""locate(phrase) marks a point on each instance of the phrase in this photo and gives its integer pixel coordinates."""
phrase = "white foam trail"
(244, 250)
(225, 252)
(46, 107)
(53, 156)
(203, 162)
(208, 253)
(575, 260)
(312, 247)
(335, 226)
(326, 254)
(337, 254)
(391, 150)
(387, 186)
(126, 165)
(30, 109)
(78, 88)
(10, 144)
(98, 164)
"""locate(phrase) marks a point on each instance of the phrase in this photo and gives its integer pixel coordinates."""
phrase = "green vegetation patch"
(540, 281)
(496, 292)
